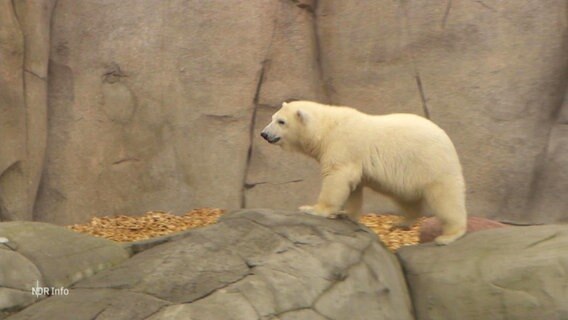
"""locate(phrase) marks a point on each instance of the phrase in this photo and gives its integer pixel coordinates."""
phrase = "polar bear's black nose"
(264, 135)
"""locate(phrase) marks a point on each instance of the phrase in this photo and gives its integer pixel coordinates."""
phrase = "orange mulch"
(152, 224)
(393, 238)
(123, 228)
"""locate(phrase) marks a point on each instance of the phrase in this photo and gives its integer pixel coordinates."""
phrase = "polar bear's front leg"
(336, 188)
(354, 203)
(311, 210)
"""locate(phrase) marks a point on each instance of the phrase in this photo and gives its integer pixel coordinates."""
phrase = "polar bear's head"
(291, 126)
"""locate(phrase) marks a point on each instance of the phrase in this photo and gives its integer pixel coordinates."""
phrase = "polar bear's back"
(417, 139)
(402, 151)
(410, 134)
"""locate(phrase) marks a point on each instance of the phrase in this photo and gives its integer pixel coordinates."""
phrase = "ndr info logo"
(48, 291)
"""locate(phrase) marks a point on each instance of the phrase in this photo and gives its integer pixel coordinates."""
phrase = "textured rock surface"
(94, 304)
(24, 52)
(252, 265)
(157, 104)
(43, 255)
(431, 227)
(61, 255)
(507, 273)
(17, 276)
(552, 172)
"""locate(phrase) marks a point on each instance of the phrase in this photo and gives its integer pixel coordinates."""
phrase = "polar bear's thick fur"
(403, 156)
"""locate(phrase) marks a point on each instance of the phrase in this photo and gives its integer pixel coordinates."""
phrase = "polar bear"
(403, 156)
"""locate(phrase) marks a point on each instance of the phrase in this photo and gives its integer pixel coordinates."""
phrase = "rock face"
(507, 273)
(25, 37)
(252, 265)
(43, 255)
(158, 104)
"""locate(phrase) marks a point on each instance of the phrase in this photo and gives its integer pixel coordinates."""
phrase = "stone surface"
(506, 273)
(17, 277)
(157, 105)
(431, 227)
(60, 255)
(258, 264)
(100, 304)
(552, 173)
(153, 95)
(25, 36)
(12, 108)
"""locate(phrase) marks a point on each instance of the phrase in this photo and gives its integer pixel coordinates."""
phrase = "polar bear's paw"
(448, 238)
(313, 210)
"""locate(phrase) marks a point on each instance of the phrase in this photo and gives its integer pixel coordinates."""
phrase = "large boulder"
(38, 255)
(506, 273)
(251, 265)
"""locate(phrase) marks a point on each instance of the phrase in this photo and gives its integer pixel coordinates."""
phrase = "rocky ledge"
(264, 264)
(257, 264)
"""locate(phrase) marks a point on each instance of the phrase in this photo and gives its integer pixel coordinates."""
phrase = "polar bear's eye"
(281, 122)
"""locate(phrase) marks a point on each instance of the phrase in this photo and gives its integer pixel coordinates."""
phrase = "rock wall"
(158, 104)
(24, 56)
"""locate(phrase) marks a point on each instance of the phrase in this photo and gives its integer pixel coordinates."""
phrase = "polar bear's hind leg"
(447, 201)
(412, 211)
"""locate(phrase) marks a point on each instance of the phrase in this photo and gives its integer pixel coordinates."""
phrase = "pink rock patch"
(431, 227)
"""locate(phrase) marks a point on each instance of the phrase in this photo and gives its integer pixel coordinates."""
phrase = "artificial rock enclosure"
(127, 106)
(120, 107)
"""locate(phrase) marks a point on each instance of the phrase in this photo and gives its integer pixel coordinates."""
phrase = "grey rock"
(552, 176)
(258, 264)
(302, 314)
(370, 299)
(506, 273)
(15, 299)
(191, 275)
(62, 256)
(23, 103)
(220, 305)
(17, 271)
(12, 124)
(138, 246)
(100, 304)
(136, 107)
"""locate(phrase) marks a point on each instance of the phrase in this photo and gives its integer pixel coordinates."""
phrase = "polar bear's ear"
(302, 116)
(284, 103)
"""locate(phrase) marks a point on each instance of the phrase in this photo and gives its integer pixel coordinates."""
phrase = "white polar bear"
(403, 156)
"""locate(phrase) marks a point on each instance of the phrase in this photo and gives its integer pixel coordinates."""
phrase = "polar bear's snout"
(268, 137)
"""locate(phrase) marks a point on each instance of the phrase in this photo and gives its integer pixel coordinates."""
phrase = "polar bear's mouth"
(273, 139)
(269, 138)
